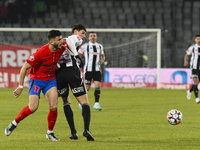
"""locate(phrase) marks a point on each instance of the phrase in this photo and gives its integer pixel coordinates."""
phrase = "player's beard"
(57, 46)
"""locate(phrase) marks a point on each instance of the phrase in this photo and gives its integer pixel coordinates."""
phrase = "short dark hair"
(53, 34)
(92, 32)
(78, 27)
(198, 35)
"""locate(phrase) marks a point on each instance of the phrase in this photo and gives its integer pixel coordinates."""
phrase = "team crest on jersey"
(31, 58)
(78, 37)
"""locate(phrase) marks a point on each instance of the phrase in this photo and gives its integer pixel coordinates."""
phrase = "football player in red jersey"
(68, 74)
(42, 77)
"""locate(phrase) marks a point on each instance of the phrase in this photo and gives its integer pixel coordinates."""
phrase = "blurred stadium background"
(177, 19)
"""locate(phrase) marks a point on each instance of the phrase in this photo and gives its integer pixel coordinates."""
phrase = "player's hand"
(102, 62)
(79, 61)
(17, 92)
(185, 63)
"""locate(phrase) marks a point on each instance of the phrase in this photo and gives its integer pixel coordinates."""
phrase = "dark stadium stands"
(178, 19)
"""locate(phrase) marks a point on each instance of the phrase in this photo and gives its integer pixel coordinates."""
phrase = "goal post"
(117, 42)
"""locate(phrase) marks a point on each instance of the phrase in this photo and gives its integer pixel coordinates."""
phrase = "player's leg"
(51, 95)
(69, 116)
(83, 100)
(87, 80)
(189, 92)
(31, 108)
(195, 76)
(63, 90)
(79, 91)
(97, 92)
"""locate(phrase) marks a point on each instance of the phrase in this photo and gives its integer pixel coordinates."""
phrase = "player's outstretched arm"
(19, 89)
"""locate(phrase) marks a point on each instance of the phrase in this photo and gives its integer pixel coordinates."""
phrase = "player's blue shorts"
(35, 86)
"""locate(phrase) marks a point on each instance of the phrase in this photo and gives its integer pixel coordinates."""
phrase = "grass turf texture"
(130, 119)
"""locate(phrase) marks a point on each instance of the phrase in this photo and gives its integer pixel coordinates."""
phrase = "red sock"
(52, 116)
(23, 114)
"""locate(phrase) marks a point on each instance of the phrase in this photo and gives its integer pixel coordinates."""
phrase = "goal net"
(127, 51)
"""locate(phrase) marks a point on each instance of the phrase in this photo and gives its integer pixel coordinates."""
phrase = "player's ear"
(51, 41)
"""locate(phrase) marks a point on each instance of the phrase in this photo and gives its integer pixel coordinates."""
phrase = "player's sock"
(23, 114)
(196, 91)
(69, 116)
(97, 94)
(192, 88)
(52, 116)
(86, 115)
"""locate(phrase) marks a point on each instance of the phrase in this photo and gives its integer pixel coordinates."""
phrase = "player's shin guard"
(23, 114)
(196, 91)
(69, 116)
(97, 94)
(86, 115)
(51, 118)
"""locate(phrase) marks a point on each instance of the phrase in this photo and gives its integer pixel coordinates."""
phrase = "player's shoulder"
(99, 44)
(43, 49)
(85, 44)
(76, 37)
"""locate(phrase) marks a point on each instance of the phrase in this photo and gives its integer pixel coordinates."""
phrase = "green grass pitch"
(131, 119)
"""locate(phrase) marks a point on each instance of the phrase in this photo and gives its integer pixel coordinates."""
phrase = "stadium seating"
(179, 20)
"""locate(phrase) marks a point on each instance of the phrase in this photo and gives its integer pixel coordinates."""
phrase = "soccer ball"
(174, 117)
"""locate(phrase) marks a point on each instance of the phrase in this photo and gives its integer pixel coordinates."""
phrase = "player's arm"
(188, 52)
(71, 45)
(186, 59)
(103, 58)
(23, 70)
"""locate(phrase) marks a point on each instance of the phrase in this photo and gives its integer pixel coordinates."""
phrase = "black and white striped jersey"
(194, 50)
(92, 53)
(67, 56)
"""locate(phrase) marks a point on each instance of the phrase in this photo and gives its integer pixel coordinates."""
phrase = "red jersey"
(43, 63)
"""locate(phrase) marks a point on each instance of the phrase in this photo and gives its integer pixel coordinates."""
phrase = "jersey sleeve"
(77, 40)
(82, 49)
(34, 58)
(189, 50)
(102, 51)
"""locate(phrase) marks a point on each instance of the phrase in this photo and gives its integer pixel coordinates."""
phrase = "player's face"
(197, 40)
(57, 44)
(81, 33)
(93, 37)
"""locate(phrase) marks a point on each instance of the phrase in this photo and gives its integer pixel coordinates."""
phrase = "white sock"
(48, 131)
(96, 103)
(14, 122)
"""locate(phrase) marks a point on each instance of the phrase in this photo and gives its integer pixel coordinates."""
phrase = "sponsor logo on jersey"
(94, 53)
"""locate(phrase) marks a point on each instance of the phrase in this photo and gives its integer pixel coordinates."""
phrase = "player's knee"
(53, 107)
(33, 108)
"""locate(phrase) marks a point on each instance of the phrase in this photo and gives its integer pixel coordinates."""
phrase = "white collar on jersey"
(92, 43)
